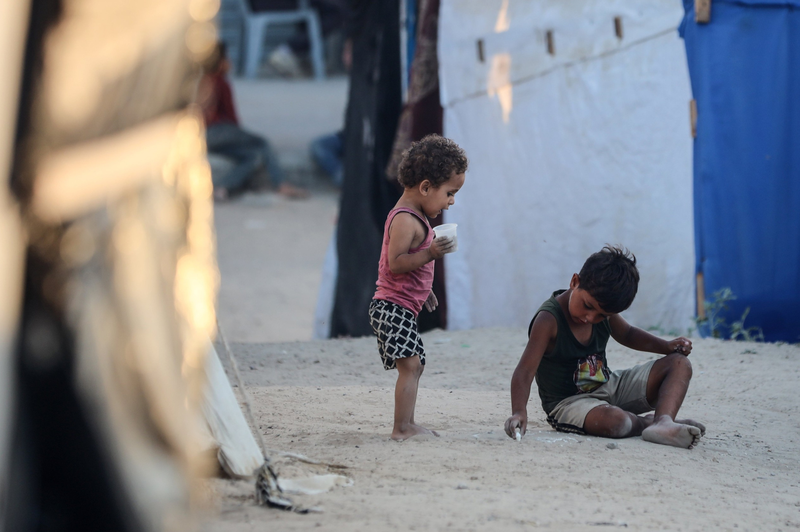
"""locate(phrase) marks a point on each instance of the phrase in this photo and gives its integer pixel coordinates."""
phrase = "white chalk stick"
(518, 434)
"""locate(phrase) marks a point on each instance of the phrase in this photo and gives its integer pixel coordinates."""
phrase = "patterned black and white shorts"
(396, 328)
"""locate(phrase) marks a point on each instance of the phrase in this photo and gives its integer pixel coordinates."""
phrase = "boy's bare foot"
(693, 423)
(668, 432)
(411, 431)
(649, 419)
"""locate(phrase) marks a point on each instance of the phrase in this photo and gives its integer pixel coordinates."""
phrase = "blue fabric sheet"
(745, 73)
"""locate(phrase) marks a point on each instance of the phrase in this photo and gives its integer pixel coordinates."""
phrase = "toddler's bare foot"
(411, 431)
(668, 432)
(425, 433)
(649, 420)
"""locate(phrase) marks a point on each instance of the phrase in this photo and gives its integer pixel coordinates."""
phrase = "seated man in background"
(249, 152)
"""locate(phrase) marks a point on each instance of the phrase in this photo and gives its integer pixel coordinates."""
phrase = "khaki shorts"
(625, 388)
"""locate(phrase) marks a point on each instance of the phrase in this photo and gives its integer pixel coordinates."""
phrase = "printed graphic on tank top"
(591, 373)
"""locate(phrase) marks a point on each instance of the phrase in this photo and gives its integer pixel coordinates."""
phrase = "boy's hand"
(680, 345)
(517, 420)
(431, 303)
(440, 246)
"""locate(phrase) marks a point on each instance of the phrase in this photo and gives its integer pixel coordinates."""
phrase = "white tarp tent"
(572, 147)
(228, 431)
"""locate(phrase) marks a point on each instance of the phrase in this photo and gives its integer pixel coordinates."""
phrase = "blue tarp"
(745, 73)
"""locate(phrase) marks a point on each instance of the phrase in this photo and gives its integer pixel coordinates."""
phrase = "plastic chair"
(255, 28)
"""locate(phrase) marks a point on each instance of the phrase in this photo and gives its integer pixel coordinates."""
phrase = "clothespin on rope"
(702, 11)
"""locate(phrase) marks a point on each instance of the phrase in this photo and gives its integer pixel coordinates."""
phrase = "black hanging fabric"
(367, 196)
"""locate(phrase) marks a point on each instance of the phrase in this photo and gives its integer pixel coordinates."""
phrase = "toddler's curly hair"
(434, 158)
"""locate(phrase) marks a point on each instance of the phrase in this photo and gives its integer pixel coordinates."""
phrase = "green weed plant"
(715, 325)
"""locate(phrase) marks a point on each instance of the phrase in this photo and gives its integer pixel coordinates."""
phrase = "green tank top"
(571, 367)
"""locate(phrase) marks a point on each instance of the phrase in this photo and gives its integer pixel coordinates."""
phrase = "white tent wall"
(568, 151)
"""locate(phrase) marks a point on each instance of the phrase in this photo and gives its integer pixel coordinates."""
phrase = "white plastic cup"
(448, 230)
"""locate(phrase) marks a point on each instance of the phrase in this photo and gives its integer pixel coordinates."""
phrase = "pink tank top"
(410, 289)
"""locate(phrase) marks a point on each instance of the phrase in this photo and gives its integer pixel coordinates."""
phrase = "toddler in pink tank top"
(431, 172)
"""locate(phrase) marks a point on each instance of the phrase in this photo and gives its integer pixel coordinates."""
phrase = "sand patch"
(332, 401)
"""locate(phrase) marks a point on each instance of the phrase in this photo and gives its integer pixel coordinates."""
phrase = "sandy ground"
(332, 401)
(270, 253)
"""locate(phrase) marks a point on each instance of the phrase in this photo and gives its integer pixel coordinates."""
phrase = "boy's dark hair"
(611, 277)
(434, 158)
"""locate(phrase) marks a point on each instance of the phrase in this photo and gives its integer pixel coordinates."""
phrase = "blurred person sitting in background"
(250, 153)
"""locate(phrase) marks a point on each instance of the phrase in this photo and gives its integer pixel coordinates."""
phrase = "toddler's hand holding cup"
(445, 238)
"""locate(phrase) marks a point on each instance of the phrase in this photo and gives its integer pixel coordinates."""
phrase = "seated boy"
(566, 352)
